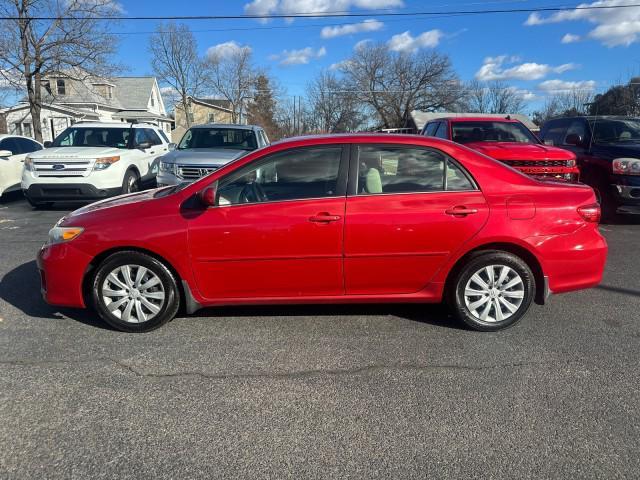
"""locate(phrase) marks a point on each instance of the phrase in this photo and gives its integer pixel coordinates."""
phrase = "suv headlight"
(168, 167)
(626, 166)
(28, 164)
(105, 162)
(63, 234)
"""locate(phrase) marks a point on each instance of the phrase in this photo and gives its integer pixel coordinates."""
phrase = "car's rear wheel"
(492, 291)
(135, 292)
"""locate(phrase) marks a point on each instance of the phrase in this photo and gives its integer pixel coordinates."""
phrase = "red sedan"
(331, 219)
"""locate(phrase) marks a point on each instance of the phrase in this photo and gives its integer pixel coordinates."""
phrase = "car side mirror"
(5, 153)
(207, 197)
(573, 139)
(144, 145)
(47, 144)
(172, 146)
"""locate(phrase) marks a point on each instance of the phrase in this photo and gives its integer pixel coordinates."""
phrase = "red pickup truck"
(508, 141)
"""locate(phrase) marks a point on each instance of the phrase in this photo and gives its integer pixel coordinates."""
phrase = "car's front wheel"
(135, 292)
(492, 291)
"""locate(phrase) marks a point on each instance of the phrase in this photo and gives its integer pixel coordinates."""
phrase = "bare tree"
(75, 43)
(261, 110)
(232, 75)
(565, 103)
(176, 62)
(333, 107)
(493, 97)
(393, 84)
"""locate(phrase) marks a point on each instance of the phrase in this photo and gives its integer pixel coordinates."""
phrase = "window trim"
(341, 181)
(354, 167)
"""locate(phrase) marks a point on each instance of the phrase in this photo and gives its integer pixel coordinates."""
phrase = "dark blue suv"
(608, 154)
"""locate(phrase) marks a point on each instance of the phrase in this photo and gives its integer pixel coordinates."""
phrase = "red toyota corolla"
(332, 219)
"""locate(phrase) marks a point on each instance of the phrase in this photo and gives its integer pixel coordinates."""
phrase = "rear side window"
(11, 145)
(392, 169)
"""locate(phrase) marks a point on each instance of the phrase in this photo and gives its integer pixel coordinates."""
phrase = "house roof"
(56, 108)
(133, 92)
(218, 103)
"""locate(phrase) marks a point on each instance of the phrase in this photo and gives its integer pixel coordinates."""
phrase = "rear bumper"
(574, 261)
(51, 192)
(62, 269)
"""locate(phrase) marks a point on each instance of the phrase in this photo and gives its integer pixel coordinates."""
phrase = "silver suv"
(204, 148)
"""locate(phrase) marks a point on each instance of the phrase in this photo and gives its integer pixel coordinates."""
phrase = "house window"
(47, 86)
(61, 87)
(26, 130)
(212, 118)
(153, 99)
(17, 128)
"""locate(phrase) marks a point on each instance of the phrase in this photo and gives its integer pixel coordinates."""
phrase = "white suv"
(91, 161)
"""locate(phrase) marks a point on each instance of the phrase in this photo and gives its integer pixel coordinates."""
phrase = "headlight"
(167, 167)
(28, 164)
(626, 166)
(63, 234)
(571, 163)
(105, 162)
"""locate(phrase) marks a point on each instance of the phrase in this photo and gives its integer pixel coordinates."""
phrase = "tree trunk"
(187, 110)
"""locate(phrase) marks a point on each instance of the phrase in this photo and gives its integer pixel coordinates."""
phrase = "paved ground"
(318, 392)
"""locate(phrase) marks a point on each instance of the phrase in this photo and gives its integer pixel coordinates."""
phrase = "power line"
(330, 14)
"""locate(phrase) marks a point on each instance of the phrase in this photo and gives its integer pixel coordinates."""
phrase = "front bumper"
(166, 179)
(62, 269)
(52, 192)
(626, 193)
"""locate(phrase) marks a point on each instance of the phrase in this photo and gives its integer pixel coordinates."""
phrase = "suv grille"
(188, 172)
(62, 168)
(537, 163)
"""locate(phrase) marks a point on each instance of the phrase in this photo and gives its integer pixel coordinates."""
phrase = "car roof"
(399, 138)
(233, 126)
(113, 125)
(480, 119)
(596, 117)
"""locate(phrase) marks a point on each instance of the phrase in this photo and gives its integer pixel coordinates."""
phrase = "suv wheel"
(492, 291)
(131, 182)
(134, 292)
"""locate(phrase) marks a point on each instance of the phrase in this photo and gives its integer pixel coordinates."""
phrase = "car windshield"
(234, 138)
(615, 131)
(488, 131)
(93, 137)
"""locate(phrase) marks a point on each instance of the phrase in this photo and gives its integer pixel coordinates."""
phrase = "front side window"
(232, 138)
(152, 137)
(615, 131)
(290, 175)
(431, 129)
(11, 145)
(93, 137)
(391, 169)
(488, 131)
(441, 132)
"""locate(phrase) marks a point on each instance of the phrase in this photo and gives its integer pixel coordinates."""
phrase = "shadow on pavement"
(21, 288)
(624, 291)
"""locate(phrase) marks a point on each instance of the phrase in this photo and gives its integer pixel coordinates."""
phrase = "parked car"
(331, 219)
(508, 141)
(13, 150)
(205, 148)
(608, 152)
(91, 161)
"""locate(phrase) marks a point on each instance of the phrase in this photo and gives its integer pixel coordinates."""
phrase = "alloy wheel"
(133, 293)
(494, 293)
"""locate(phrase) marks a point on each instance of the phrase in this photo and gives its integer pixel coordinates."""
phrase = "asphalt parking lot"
(318, 392)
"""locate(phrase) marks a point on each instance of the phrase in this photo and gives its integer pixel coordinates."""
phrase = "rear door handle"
(324, 217)
(460, 211)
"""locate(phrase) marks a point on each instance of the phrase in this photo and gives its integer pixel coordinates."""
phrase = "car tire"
(492, 290)
(131, 182)
(135, 292)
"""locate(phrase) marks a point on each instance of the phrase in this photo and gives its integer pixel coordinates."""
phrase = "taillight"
(591, 213)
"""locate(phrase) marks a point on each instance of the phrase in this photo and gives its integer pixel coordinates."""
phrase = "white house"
(66, 101)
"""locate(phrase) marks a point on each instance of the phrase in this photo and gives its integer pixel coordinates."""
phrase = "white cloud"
(361, 43)
(290, 7)
(558, 86)
(339, 65)
(614, 26)
(493, 68)
(299, 57)
(570, 38)
(405, 42)
(226, 49)
(349, 29)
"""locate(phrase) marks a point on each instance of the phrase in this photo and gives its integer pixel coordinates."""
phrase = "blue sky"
(537, 54)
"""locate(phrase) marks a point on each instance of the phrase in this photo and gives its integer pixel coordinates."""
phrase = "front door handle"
(324, 217)
(460, 211)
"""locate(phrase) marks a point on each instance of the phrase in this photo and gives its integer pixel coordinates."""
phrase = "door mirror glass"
(573, 139)
(172, 146)
(207, 196)
(144, 145)
(5, 153)
(47, 144)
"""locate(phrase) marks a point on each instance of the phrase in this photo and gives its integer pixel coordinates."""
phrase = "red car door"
(409, 208)
(277, 229)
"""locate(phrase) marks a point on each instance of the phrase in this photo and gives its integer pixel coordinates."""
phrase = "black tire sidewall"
(172, 299)
(476, 263)
(125, 183)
